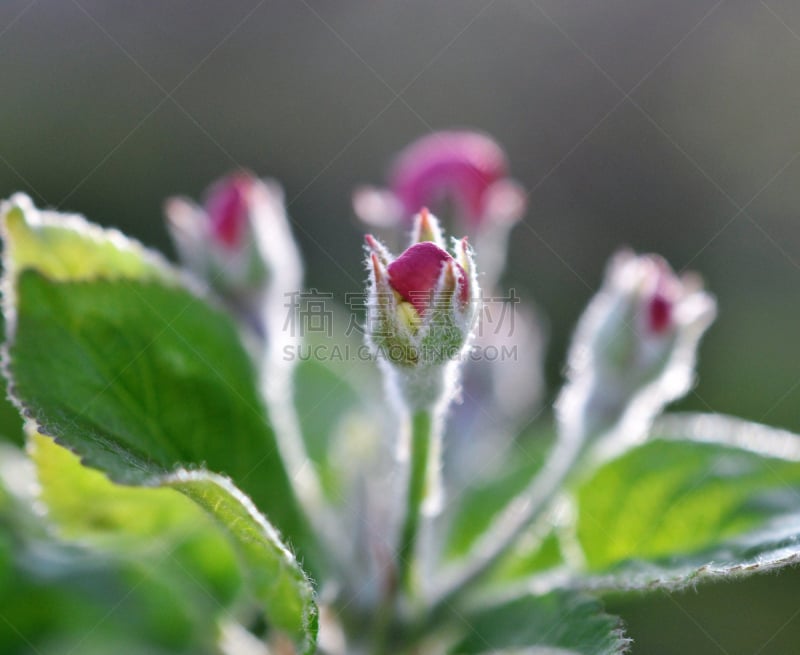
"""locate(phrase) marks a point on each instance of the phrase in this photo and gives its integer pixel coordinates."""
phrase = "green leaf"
(67, 247)
(56, 598)
(556, 622)
(713, 497)
(108, 354)
(481, 502)
(86, 505)
(533, 554)
(272, 572)
(140, 379)
(330, 400)
(89, 509)
(133, 372)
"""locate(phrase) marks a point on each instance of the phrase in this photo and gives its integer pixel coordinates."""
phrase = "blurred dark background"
(669, 127)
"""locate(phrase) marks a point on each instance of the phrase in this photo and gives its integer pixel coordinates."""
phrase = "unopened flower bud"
(422, 305)
(635, 347)
(468, 168)
(466, 173)
(238, 242)
(228, 208)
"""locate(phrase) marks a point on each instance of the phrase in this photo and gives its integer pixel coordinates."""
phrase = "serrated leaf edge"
(310, 618)
(489, 602)
(719, 429)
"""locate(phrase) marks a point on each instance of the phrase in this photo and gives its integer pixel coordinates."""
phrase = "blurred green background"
(668, 127)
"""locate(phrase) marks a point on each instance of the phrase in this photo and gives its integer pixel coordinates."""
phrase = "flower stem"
(419, 487)
(422, 442)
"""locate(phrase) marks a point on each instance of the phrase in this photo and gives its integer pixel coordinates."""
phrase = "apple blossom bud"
(466, 173)
(635, 346)
(468, 168)
(239, 243)
(462, 164)
(424, 270)
(421, 309)
(227, 206)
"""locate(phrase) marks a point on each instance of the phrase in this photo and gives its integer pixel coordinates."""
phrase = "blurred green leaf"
(271, 571)
(339, 391)
(713, 499)
(56, 598)
(328, 399)
(107, 606)
(480, 503)
(178, 545)
(67, 247)
(532, 554)
(556, 622)
(158, 524)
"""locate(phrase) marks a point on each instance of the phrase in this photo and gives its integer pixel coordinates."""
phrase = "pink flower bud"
(649, 307)
(659, 312)
(421, 303)
(418, 272)
(467, 168)
(462, 165)
(639, 334)
(228, 207)
(238, 242)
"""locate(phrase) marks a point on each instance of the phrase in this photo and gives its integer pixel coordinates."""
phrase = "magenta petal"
(415, 273)
(462, 165)
(227, 207)
(659, 313)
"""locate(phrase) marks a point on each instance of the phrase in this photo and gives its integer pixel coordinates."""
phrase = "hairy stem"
(423, 433)
(422, 436)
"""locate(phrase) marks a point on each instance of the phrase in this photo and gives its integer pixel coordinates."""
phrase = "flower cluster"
(633, 352)
(288, 452)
